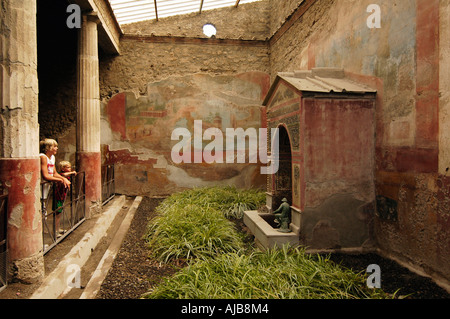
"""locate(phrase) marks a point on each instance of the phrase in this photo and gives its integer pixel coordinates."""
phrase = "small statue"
(283, 216)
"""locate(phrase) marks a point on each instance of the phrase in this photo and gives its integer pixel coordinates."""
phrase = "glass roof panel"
(129, 11)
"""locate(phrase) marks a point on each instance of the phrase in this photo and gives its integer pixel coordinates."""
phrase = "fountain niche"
(326, 136)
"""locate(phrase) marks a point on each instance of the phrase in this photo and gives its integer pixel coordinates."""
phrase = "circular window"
(209, 30)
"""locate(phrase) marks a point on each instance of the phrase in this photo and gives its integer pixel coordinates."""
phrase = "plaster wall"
(406, 60)
(137, 132)
(339, 189)
(280, 13)
(143, 61)
(159, 83)
(149, 59)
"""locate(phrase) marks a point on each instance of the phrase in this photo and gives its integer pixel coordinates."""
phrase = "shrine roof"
(322, 80)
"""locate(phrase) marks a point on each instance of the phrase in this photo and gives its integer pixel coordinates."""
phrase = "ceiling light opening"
(209, 30)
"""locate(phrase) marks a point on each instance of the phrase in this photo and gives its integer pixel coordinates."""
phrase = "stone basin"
(266, 236)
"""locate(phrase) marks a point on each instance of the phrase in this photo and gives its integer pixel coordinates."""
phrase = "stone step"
(62, 280)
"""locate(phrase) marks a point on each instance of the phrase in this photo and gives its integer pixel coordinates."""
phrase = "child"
(65, 169)
(49, 148)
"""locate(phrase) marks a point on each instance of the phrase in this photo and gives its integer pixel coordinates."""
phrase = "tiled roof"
(321, 80)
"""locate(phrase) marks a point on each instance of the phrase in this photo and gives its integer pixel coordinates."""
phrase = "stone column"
(88, 111)
(19, 138)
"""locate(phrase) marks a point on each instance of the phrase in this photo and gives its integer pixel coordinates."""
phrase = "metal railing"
(3, 242)
(63, 210)
(108, 183)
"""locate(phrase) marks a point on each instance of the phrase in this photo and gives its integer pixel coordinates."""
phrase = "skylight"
(129, 11)
(209, 30)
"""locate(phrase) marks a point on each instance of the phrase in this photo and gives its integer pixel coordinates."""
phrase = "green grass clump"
(286, 273)
(192, 232)
(231, 201)
(194, 224)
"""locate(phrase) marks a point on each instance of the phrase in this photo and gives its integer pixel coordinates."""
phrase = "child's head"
(47, 144)
(65, 166)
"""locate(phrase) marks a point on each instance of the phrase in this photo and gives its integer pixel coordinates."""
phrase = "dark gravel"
(393, 276)
(133, 273)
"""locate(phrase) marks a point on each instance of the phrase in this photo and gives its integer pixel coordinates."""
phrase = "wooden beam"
(237, 3)
(156, 10)
(201, 6)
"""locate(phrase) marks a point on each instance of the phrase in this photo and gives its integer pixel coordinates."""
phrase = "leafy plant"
(192, 232)
(194, 224)
(287, 273)
(231, 201)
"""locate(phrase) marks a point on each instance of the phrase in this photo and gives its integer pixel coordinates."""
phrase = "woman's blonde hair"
(45, 144)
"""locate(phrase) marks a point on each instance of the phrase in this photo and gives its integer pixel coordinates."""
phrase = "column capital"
(91, 16)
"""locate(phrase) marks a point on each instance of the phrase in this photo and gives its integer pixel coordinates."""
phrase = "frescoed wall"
(160, 82)
(406, 61)
(137, 131)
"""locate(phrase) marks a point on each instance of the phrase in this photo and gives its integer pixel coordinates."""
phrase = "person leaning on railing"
(49, 148)
(65, 170)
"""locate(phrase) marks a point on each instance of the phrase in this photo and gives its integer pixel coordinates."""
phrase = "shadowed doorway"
(283, 177)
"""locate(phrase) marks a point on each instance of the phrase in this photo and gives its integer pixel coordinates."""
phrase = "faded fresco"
(137, 131)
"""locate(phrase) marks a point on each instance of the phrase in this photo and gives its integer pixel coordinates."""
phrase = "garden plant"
(196, 226)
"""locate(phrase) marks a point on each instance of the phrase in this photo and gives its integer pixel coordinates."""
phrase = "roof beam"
(156, 10)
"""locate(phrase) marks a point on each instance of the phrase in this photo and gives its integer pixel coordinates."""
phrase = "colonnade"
(19, 135)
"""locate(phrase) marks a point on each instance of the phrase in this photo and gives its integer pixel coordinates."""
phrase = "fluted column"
(19, 137)
(88, 110)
